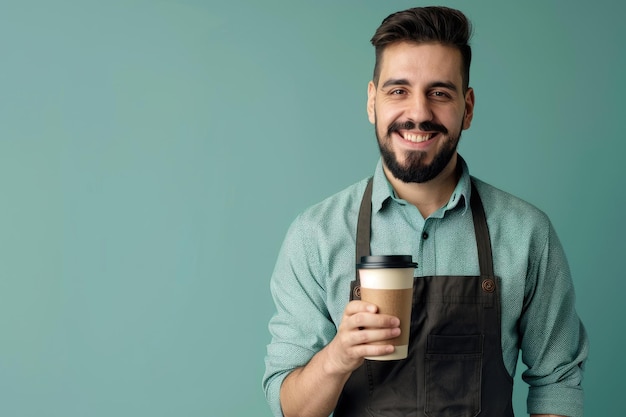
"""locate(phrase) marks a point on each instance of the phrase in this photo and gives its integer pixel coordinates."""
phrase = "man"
(491, 278)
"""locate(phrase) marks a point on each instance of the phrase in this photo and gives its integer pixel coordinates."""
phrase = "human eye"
(397, 92)
(440, 95)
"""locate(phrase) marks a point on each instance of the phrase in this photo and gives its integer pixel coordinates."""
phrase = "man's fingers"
(365, 336)
(357, 306)
(366, 320)
(363, 351)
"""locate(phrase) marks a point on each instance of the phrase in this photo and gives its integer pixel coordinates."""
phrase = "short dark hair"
(426, 24)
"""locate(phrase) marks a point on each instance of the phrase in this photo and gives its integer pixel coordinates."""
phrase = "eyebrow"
(436, 84)
(444, 84)
(396, 81)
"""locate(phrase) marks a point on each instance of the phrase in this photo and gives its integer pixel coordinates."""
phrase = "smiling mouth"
(416, 138)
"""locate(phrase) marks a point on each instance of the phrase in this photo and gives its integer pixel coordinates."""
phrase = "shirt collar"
(383, 191)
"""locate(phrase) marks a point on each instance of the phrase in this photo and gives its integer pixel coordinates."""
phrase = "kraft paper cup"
(387, 282)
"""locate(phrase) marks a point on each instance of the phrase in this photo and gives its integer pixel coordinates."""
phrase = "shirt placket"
(427, 264)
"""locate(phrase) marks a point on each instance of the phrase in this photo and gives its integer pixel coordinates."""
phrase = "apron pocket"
(453, 373)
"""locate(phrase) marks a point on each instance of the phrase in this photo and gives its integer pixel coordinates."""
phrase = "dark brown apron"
(455, 366)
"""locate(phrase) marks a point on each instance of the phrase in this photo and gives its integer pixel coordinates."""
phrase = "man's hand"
(314, 389)
(361, 334)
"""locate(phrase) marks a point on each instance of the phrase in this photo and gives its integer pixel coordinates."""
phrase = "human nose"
(419, 110)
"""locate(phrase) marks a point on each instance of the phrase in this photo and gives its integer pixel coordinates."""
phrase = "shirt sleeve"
(301, 325)
(554, 342)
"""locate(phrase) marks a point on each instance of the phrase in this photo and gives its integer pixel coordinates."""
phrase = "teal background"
(153, 154)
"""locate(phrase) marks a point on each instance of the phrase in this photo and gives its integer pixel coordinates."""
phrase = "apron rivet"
(357, 292)
(489, 285)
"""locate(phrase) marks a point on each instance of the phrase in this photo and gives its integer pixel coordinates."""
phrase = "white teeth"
(416, 138)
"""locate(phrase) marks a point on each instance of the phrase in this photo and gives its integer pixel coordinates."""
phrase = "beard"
(415, 169)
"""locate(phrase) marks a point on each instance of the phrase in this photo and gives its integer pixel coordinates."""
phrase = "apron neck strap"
(483, 243)
(363, 226)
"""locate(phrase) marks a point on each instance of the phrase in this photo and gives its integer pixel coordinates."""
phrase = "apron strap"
(483, 242)
(363, 226)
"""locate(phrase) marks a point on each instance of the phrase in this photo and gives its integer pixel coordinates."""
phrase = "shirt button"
(425, 235)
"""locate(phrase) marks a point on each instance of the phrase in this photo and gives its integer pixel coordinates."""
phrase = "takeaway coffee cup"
(387, 282)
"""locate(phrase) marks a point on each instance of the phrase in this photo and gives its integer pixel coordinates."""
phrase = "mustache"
(424, 126)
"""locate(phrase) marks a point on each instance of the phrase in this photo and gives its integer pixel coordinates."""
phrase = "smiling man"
(419, 110)
(492, 278)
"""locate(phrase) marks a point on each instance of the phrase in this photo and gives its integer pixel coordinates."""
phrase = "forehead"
(421, 61)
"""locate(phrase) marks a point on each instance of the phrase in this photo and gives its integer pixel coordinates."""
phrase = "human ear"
(469, 108)
(371, 102)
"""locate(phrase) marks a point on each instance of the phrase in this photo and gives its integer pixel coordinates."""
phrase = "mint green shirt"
(311, 281)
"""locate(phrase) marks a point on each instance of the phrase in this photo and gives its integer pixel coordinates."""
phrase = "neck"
(429, 196)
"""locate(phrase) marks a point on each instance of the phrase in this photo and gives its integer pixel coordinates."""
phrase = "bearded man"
(491, 280)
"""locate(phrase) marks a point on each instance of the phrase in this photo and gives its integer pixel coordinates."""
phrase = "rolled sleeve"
(302, 324)
(554, 342)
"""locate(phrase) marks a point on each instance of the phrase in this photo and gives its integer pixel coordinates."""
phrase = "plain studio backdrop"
(153, 154)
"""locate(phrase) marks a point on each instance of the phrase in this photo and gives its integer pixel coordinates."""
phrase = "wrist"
(333, 366)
